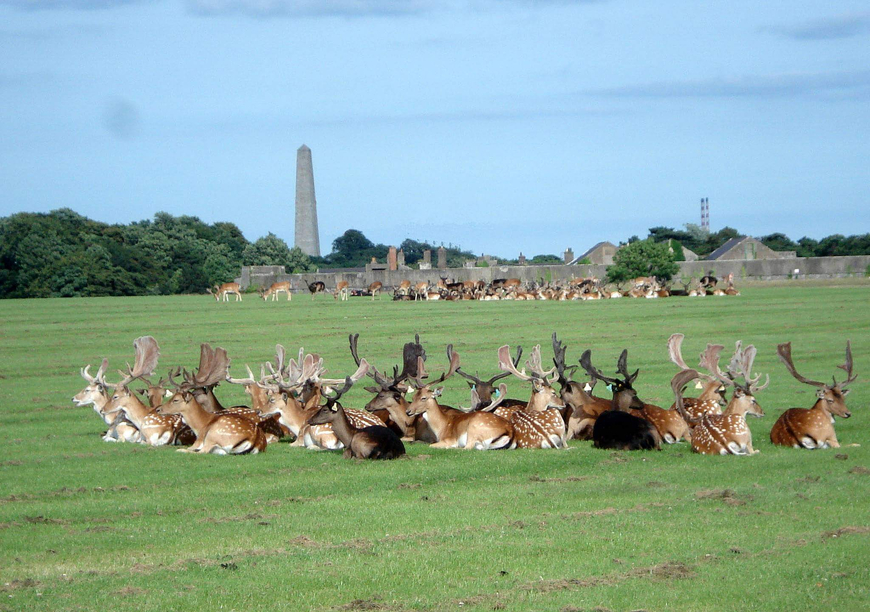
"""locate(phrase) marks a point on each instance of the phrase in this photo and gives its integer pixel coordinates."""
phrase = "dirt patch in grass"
(726, 496)
(374, 603)
(238, 519)
(536, 478)
(26, 583)
(851, 530)
(808, 479)
(859, 469)
(41, 520)
(130, 591)
(670, 570)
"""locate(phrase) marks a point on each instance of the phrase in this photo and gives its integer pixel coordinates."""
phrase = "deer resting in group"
(813, 428)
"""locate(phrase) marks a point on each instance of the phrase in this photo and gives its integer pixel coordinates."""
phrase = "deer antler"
(85, 371)
(710, 361)
(497, 377)
(622, 368)
(675, 350)
(747, 357)
(559, 351)
(595, 373)
(242, 381)
(847, 367)
(213, 366)
(506, 364)
(678, 383)
(502, 396)
(147, 354)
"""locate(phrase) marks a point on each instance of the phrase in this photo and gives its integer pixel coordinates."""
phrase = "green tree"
(642, 258)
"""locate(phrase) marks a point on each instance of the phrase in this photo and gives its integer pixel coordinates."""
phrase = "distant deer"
(223, 291)
(316, 287)
(375, 289)
(342, 290)
(813, 427)
(276, 288)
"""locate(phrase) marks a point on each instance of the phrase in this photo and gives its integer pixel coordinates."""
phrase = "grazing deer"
(223, 291)
(155, 429)
(316, 287)
(222, 434)
(617, 428)
(404, 287)
(342, 290)
(276, 288)
(454, 428)
(539, 424)
(420, 290)
(375, 289)
(712, 396)
(813, 427)
(121, 429)
(726, 433)
(372, 442)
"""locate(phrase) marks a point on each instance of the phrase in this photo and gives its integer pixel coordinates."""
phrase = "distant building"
(747, 247)
(601, 254)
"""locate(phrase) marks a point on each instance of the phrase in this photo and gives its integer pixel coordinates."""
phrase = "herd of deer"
(292, 397)
(501, 289)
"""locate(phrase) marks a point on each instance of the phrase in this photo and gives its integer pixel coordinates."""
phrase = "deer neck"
(399, 415)
(135, 410)
(437, 418)
(208, 401)
(197, 417)
(342, 428)
(258, 396)
(294, 416)
(822, 406)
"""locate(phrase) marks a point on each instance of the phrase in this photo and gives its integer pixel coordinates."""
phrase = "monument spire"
(307, 237)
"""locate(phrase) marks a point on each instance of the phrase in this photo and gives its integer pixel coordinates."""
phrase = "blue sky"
(503, 126)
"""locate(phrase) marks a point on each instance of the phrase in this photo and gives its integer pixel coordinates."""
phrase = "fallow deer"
(726, 433)
(539, 424)
(342, 290)
(484, 389)
(121, 429)
(155, 429)
(375, 289)
(276, 288)
(316, 287)
(223, 434)
(712, 396)
(454, 428)
(582, 408)
(813, 428)
(617, 428)
(224, 290)
(372, 442)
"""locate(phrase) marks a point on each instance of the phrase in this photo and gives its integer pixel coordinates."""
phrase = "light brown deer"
(539, 424)
(223, 291)
(121, 429)
(813, 428)
(342, 290)
(276, 288)
(454, 428)
(155, 429)
(726, 433)
(712, 396)
(222, 434)
(375, 288)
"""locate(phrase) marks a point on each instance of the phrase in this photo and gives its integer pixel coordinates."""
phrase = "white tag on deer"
(587, 387)
(698, 384)
(167, 393)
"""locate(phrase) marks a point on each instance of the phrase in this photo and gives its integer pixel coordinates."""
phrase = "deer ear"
(374, 390)
(284, 396)
(820, 393)
(437, 392)
(140, 391)
(844, 392)
(470, 384)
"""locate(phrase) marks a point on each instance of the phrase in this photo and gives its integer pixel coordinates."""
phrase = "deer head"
(833, 396)
(624, 395)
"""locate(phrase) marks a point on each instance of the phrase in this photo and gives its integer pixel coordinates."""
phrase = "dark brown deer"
(582, 408)
(373, 442)
(316, 287)
(484, 389)
(617, 428)
(813, 428)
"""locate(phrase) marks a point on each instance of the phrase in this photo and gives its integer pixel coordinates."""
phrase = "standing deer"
(316, 287)
(372, 442)
(726, 433)
(222, 434)
(375, 289)
(276, 288)
(813, 427)
(617, 428)
(342, 290)
(223, 291)
(454, 428)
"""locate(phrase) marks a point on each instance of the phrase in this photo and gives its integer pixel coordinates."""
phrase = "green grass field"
(86, 524)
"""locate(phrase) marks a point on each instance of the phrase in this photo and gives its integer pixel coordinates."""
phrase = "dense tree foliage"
(642, 258)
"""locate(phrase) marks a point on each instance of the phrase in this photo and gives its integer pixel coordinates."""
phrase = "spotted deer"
(455, 428)
(813, 428)
(223, 291)
(155, 429)
(221, 434)
(712, 396)
(276, 288)
(371, 442)
(96, 394)
(538, 424)
(726, 433)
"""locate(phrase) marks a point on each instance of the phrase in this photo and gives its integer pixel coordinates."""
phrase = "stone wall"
(743, 269)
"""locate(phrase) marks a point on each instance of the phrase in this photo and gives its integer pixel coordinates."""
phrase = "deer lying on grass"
(712, 396)
(484, 389)
(454, 428)
(372, 442)
(222, 434)
(539, 424)
(726, 433)
(223, 291)
(121, 429)
(390, 393)
(276, 288)
(582, 408)
(617, 428)
(155, 429)
(813, 428)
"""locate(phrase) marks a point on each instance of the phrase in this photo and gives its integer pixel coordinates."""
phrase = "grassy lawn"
(85, 524)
